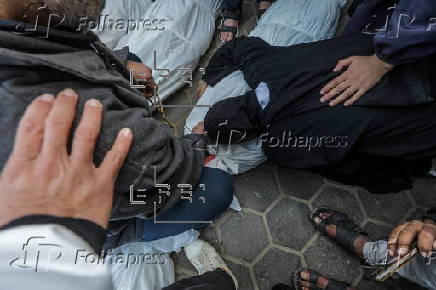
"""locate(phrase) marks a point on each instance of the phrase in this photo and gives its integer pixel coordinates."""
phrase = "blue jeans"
(218, 194)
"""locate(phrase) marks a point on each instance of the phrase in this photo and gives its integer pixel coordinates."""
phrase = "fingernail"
(391, 253)
(69, 93)
(424, 255)
(402, 251)
(47, 98)
(94, 103)
(126, 132)
(323, 100)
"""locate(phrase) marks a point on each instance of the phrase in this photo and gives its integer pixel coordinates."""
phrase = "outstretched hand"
(362, 74)
(402, 237)
(42, 178)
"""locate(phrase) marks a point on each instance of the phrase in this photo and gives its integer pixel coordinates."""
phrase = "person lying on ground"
(379, 143)
(47, 59)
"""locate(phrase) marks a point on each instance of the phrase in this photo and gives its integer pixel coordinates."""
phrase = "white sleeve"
(45, 257)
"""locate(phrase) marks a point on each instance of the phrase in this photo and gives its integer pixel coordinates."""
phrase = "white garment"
(41, 257)
(181, 35)
(157, 271)
(285, 23)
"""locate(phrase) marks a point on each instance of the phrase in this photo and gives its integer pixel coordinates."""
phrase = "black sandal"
(346, 230)
(229, 14)
(314, 276)
(260, 12)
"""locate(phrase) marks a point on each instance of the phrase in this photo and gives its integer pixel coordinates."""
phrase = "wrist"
(386, 66)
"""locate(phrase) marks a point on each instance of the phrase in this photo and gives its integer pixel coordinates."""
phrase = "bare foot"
(228, 36)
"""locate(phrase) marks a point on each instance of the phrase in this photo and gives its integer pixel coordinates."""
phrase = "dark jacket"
(32, 64)
(410, 33)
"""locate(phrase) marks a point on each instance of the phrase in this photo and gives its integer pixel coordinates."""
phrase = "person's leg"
(208, 203)
(263, 6)
(233, 5)
(231, 14)
(342, 230)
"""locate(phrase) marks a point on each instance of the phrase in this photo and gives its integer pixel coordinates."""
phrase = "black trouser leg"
(216, 280)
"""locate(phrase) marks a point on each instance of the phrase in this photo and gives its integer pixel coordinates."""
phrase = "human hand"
(41, 177)
(401, 238)
(144, 75)
(199, 129)
(362, 74)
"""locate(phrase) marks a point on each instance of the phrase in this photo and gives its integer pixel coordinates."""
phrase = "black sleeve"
(92, 233)
(237, 54)
(431, 214)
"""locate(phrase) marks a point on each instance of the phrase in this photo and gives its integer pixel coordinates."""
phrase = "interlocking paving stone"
(289, 224)
(210, 235)
(275, 267)
(243, 236)
(424, 192)
(390, 208)
(331, 260)
(299, 183)
(340, 200)
(256, 189)
(242, 274)
(377, 232)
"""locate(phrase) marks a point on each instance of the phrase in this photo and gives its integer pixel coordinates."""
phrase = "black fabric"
(393, 125)
(431, 214)
(91, 232)
(282, 287)
(215, 280)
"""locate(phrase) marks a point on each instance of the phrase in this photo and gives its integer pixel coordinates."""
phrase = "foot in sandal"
(305, 279)
(263, 7)
(339, 227)
(229, 25)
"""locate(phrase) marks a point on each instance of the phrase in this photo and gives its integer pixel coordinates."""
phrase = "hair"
(73, 10)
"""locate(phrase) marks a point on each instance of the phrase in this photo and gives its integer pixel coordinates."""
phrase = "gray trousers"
(420, 270)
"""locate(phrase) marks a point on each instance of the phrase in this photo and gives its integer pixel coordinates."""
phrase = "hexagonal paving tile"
(299, 183)
(275, 267)
(210, 235)
(390, 208)
(242, 274)
(332, 261)
(289, 224)
(243, 236)
(377, 232)
(424, 192)
(256, 189)
(340, 200)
